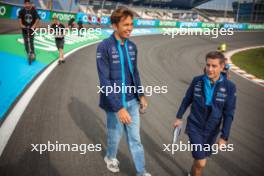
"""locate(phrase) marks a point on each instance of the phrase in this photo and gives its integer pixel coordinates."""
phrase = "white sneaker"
(144, 174)
(112, 164)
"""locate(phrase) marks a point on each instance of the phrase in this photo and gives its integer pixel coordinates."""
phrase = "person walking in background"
(80, 26)
(222, 48)
(59, 31)
(28, 21)
(71, 23)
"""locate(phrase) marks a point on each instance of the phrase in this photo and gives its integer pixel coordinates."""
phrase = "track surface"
(65, 109)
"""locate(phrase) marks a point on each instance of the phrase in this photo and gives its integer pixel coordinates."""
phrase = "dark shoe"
(31, 58)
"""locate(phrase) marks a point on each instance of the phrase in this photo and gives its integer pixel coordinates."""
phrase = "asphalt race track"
(65, 109)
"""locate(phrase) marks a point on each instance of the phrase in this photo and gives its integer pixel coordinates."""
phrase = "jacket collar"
(117, 41)
(206, 79)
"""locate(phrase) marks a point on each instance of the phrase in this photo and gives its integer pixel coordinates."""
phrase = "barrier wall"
(8, 11)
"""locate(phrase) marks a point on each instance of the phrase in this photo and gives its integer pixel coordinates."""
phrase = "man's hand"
(222, 143)
(21, 24)
(143, 104)
(177, 123)
(124, 116)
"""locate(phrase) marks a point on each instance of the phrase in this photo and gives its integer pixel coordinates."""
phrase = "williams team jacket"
(221, 111)
(111, 71)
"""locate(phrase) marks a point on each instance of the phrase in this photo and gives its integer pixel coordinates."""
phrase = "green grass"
(252, 61)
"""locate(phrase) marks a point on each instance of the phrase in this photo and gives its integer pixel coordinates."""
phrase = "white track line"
(13, 117)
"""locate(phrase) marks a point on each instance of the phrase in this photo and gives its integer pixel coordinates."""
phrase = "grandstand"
(251, 11)
(215, 15)
(142, 10)
(58, 5)
(189, 11)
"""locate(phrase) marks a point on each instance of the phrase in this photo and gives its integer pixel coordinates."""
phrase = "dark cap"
(25, 1)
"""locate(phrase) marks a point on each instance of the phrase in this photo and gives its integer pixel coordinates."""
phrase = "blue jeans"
(115, 130)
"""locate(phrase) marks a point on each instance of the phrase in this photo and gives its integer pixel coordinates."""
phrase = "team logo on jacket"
(222, 89)
(98, 55)
(132, 53)
(115, 56)
(28, 18)
(114, 51)
(198, 84)
(197, 89)
(221, 95)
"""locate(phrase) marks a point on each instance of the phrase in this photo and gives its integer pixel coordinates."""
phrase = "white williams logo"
(222, 89)
(2, 10)
(114, 49)
(28, 18)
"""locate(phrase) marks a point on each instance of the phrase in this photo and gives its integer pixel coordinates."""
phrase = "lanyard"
(131, 69)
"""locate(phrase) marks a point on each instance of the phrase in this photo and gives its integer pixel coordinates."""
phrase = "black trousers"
(28, 40)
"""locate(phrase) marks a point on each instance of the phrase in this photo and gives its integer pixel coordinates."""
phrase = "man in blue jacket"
(213, 99)
(117, 67)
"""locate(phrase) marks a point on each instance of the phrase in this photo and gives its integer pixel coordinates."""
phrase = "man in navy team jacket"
(213, 99)
(116, 59)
